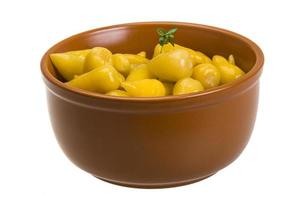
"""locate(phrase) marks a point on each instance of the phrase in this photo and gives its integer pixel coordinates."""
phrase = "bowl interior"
(136, 37)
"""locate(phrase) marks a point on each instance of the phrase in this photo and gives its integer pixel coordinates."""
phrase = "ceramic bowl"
(159, 141)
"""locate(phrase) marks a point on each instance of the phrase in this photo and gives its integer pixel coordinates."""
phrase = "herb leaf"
(166, 37)
(172, 31)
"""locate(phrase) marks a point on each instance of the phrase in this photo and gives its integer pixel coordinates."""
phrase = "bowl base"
(154, 185)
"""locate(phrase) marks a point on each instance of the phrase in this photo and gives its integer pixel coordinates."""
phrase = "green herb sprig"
(165, 36)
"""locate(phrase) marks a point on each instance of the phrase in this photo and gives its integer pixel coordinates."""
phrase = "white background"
(32, 166)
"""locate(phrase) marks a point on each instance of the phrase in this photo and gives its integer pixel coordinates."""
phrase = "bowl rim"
(255, 70)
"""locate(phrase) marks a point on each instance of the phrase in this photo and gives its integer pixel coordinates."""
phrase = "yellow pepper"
(158, 49)
(207, 74)
(121, 63)
(101, 79)
(142, 53)
(171, 66)
(119, 93)
(231, 59)
(139, 72)
(219, 60)
(124, 62)
(136, 59)
(201, 58)
(229, 72)
(70, 63)
(144, 88)
(174, 69)
(97, 57)
(187, 85)
(197, 56)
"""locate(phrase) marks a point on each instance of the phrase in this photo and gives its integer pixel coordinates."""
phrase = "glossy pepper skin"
(70, 63)
(139, 73)
(208, 74)
(118, 93)
(144, 88)
(231, 59)
(136, 59)
(101, 79)
(201, 58)
(121, 63)
(124, 62)
(219, 60)
(187, 85)
(229, 72)
(97, 57)
(197, 56)
(142, 53)
(158, 49)
(171, 66)
(174, 69)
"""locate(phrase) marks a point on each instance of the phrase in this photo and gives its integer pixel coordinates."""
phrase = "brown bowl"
(158, 141)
